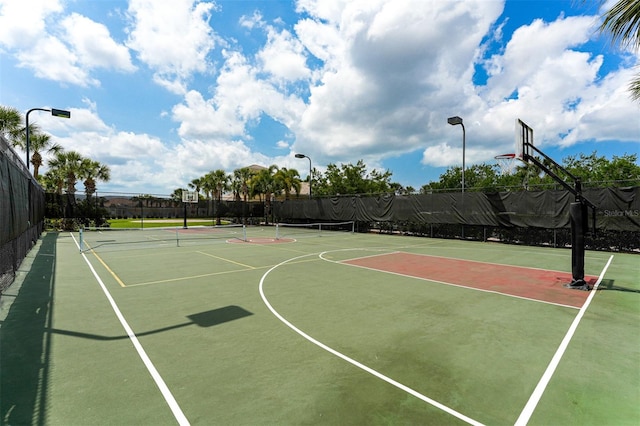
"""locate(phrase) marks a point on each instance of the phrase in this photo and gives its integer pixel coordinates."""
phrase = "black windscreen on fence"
(21, 213)
(618, 209)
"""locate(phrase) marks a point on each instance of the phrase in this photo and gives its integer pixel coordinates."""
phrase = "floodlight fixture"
(310, 176)
(455, 120)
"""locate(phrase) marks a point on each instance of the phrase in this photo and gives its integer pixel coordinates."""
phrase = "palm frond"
(622, 21)
(634, 88)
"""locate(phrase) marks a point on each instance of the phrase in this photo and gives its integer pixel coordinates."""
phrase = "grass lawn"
(155, 223)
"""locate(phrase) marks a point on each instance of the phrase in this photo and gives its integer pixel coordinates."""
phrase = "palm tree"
(91, 171)
(207, 186)
(40, 142)
(67, 166)
(51, 182)
(196, 184)
(176, 196)
(288, 179)
(219, 181)
(241, 178)
(622, 22)
(11, 126)
(265, 184)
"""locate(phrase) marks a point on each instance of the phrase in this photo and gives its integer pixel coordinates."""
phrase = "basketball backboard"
(189, 197)
(524, 141)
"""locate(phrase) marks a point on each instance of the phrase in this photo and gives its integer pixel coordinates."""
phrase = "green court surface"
(330, 328)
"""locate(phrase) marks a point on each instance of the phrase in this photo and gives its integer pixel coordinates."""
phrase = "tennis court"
(258, 325)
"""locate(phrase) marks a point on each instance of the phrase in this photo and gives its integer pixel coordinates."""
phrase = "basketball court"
(310, 327)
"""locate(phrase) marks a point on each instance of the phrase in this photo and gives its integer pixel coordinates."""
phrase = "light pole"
(55, 112)
(310, 179)
(455, 121)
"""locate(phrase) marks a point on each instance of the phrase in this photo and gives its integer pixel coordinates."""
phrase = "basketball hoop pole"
(578, 214)
(184, 226)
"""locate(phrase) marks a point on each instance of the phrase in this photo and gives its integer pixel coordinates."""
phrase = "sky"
(165, 91)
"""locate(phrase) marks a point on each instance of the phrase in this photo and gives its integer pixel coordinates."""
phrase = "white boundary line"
(351, 360)
(164, 389)
(531, 405)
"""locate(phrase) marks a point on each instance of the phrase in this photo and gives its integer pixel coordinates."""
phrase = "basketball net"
(507, 163)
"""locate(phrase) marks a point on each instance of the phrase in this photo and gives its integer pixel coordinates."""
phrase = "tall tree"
(287, 180)
(53, 180)
(92, 171)
(196, 184)
(40, 142)
(215, 183)
(66, 166)
(241, 180)
(350, 179)
(264, 184)
(176, 196)
(599, 171)
(11, 126)
(69, 165)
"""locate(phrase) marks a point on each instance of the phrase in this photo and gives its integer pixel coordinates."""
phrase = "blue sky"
(164, 92)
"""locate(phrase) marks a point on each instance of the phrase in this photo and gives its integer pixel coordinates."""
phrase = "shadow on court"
(24, 341)
(202, 319)
(609, 285)
(26, 332)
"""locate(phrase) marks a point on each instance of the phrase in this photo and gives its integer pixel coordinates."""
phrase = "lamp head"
(60, 113)
(454, 120)
(300, 156)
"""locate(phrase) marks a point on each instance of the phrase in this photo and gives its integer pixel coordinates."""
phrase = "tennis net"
(295, 230)
(94, 238)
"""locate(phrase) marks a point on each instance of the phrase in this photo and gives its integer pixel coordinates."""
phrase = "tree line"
(245, 183)
(593, 170)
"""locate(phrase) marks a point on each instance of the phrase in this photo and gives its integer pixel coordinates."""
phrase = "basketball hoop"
(507, 163)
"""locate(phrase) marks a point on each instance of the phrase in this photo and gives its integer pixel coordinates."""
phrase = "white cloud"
(283, 57)
(199, 117)
(440, 155)
(51, 59)
(23, 23)
(605, 113)
(388, 78)
(445, 155)
(253, 21)
(388, 66)
(240, 97)
(94, 46)
(534, 46)
(544, 78)
(173, 38)
(59, 48)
